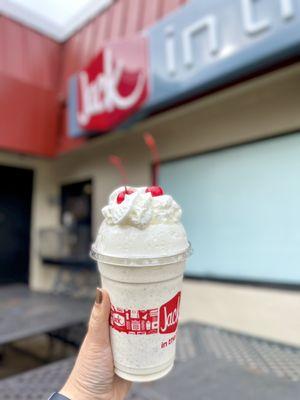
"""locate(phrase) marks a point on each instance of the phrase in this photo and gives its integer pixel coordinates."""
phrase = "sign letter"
(170, 50)
(252, 27)
(208, 23)
(287, 9)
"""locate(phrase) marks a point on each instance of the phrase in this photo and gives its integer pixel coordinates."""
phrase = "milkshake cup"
(141, 250)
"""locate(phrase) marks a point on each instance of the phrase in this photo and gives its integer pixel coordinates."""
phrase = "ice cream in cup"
(141, 250)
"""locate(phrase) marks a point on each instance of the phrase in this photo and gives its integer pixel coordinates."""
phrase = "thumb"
(98, 328)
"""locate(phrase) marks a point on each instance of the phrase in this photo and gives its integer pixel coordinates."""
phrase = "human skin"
(93, 377)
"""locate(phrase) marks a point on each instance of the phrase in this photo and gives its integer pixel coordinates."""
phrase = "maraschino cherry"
(155, 191)
(121, 195)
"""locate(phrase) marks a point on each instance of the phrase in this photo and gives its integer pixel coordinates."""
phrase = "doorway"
(76, 216)
(15, 220)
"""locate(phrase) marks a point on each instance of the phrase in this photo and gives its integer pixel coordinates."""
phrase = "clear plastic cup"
(145, 299)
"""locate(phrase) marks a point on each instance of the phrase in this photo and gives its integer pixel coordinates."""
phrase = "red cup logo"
(147, 322)
(169, 314)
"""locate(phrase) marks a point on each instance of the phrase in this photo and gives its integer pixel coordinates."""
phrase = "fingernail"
(98, 296)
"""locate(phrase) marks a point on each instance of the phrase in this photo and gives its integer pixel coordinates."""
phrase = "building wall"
(28, 117)
(262, 107)
(29, 72)
(27, 56)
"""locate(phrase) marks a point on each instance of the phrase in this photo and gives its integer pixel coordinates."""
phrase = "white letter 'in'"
(252, 27)
(208, 23)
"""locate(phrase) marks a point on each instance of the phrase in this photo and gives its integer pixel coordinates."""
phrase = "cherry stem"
(117, 162)
(151, 144)
(155, 173)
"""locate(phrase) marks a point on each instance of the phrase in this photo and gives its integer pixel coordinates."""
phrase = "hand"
(93, 377)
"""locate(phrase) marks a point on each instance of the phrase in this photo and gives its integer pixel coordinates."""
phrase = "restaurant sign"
(110, 89)
(199, 47)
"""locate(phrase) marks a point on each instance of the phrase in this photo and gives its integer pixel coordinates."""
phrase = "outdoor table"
(25, 313)
(211, 363)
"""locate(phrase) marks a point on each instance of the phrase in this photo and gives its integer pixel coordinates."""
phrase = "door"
(241, 209)
(15, 219)
(76, 215)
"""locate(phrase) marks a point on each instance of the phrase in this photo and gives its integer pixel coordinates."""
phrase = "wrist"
(58, 396)
(75, 391)
(72, 392)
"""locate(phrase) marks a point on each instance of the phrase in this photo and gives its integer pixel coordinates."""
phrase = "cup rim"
(140, 261)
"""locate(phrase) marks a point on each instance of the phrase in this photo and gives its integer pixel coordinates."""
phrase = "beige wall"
(259, 108)
(268, 313)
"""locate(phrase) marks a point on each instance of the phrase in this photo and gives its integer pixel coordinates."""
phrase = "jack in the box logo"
(146, 322)
(169, 314)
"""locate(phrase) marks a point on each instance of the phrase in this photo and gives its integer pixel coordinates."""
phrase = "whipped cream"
(140, 209)
(141, 226)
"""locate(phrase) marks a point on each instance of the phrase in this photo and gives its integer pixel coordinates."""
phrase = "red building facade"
(34, 71)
